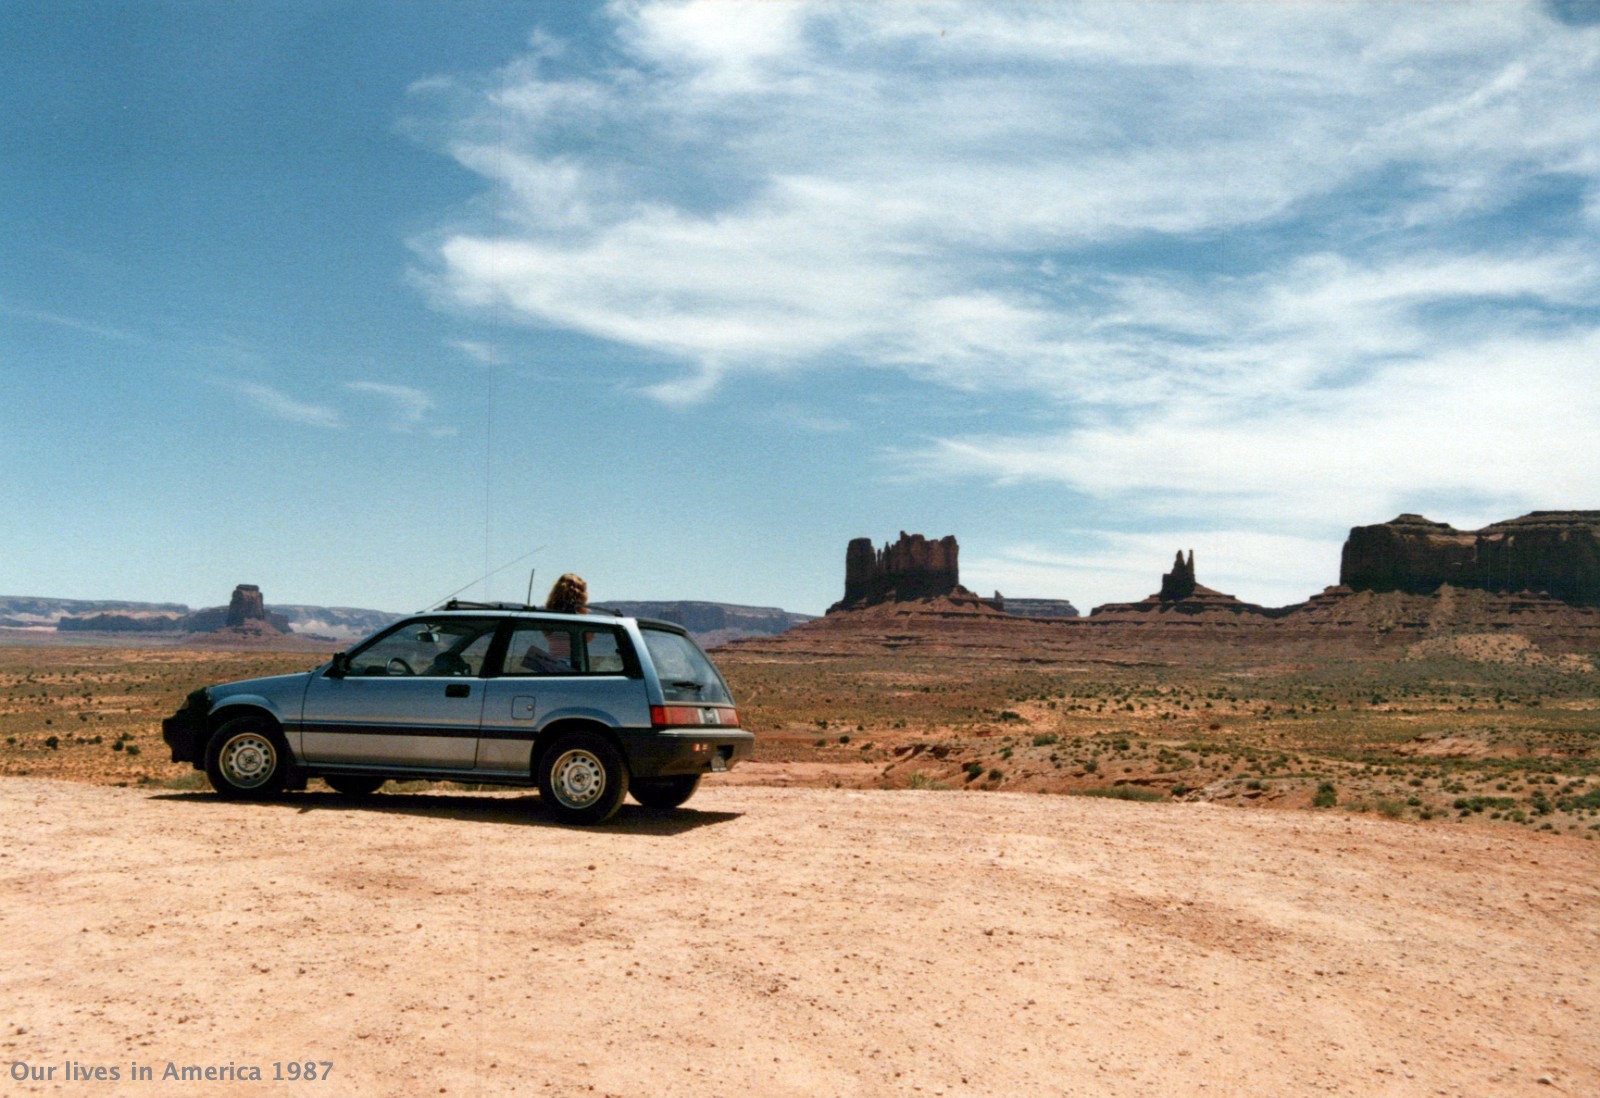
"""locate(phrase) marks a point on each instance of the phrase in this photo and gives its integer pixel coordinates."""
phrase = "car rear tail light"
(693, 716)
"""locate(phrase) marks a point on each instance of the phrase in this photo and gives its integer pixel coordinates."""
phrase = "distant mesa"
(713, 623)
(916, 569)
(913, 568)
(1181, 597)
(1552, 552)
(117, 621)
(247, 605)
(246, 614)
(1037, 608)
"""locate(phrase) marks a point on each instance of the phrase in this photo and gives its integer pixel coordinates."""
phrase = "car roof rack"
(462, 604)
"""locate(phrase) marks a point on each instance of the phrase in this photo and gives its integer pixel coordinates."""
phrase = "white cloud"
(713, 47)
(760, 186)
(281, 406)
(485, 354)
(1251, 264)
(408, 407)
(1505, 425)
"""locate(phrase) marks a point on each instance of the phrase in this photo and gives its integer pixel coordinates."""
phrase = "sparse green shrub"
(1121, 793)
(1326, 796)
(1590, 799)
(1046, 740)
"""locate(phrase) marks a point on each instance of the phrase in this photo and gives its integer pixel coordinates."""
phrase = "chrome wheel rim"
(248, 760)
(578, 779)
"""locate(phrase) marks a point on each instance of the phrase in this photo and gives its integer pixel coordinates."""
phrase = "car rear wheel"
(247, 759)
(351, 785)
(582, 778)
(664, 792)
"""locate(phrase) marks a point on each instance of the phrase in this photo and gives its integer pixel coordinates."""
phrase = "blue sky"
(358, 301)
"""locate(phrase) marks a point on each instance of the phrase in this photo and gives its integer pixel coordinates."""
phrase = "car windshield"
(686, 675)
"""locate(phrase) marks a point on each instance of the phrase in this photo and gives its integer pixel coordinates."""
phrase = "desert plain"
(953, 867)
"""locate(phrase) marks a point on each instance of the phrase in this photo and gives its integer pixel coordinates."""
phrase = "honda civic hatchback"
(588, 708)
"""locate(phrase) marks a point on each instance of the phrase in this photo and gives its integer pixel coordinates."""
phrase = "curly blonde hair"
(570, 595)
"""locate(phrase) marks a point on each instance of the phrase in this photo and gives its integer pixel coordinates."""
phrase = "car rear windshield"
(686, 675)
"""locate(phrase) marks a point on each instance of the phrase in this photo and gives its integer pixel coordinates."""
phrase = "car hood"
(273, 686)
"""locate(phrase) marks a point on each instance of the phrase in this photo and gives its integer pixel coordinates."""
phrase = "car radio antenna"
(486, 575)
(529, 600)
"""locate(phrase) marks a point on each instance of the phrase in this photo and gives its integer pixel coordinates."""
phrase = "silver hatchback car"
(587, 707)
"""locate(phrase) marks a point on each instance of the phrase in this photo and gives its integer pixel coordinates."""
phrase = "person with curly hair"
(570, 595)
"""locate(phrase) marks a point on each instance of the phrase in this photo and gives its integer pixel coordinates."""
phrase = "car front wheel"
(664, 792)
(582, 778)
(246, 759)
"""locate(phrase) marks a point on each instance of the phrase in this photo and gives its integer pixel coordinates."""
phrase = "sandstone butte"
(1401, 581)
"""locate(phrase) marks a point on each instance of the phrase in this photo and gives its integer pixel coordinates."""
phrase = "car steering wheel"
(398, 666)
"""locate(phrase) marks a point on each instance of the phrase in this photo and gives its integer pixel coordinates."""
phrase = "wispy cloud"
(408, 407)
(77, 324)
(765, 186)
(282, 406)
(1240, 260)
(485, 354)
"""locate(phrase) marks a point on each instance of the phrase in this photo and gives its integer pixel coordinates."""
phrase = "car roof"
(596, 614)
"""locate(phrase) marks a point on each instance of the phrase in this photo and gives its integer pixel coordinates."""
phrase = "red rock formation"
(1182, 599)
(1555, 552)
(246, 605)
(911, 568)
(246, 612)
(1178, 583)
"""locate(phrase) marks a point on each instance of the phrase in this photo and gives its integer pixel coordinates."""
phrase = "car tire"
(582, 778)
(354, 785)
(664, 792)
(247, 759)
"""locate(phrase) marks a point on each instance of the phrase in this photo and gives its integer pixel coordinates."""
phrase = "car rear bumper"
(665, 752)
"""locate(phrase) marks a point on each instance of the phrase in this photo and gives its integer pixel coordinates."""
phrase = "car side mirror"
(340, 667)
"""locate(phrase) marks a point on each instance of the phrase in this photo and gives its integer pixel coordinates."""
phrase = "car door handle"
(457, 690)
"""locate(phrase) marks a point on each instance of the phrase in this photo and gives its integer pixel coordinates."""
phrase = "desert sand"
(772, 941)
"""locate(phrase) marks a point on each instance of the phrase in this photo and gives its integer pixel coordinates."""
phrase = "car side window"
(541, 650)
(451, 647)
(605, 652)
(544, 649)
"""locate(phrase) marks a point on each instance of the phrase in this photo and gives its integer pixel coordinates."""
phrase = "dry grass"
(1429, 737)
(1435, 736)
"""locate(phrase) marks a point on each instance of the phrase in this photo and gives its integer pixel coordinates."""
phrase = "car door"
(410, 697)
(555, 670)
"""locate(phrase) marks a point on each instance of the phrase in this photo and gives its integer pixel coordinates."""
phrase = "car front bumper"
(185, 730)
